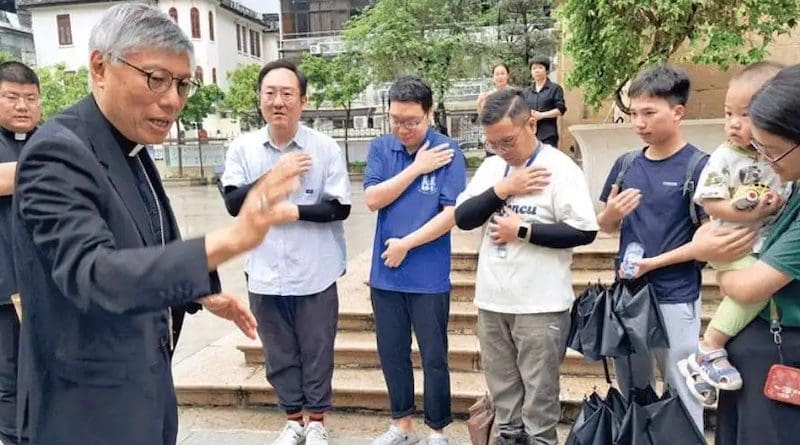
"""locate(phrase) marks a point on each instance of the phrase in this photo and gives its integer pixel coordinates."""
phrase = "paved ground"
(200, 210)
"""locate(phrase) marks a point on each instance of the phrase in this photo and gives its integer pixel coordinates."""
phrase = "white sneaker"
(292, 434)
(316, 434)
(396, 436)
(439, 439)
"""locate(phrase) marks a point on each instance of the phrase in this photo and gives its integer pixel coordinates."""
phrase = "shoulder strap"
(627, 160)
(689, 185)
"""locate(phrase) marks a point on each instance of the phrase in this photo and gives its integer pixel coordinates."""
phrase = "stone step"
(596, 256)
(463, 283)
(358, 350)
(216, 376)
(355, 314)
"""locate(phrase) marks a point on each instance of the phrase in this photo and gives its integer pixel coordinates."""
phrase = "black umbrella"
(637, 310)
(599, 419)
(587, 322)
(652, 421)
(615, 341)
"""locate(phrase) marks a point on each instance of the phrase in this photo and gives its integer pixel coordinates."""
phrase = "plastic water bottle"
(633, 253)
(502, 250)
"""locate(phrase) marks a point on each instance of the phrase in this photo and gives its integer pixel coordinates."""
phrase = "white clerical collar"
(135, 150)
(20, 136)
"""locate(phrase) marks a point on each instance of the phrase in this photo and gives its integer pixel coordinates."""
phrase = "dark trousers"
(746, 416)
(9, 354)
(396, 313)
(297, 335)
(551, 140)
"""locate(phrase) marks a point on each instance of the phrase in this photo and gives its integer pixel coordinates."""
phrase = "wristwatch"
(522, 233)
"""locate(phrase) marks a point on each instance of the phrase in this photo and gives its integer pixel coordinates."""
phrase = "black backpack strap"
(627, 160)
(689, 185)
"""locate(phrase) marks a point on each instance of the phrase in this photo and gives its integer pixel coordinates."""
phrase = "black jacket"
(96, 288)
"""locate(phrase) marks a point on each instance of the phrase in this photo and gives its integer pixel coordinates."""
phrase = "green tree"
(241, 99)
(202, 103)
(609, 41)
(438, 40)
(61, 88)
(6, 56)
(524, 29)
(337, 81)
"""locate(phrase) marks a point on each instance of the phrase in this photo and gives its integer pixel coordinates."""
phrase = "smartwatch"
(522, 233)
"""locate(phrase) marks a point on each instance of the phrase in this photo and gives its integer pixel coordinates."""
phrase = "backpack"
(688, 181)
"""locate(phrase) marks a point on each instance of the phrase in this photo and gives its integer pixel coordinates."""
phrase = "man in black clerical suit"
(98, 254)
(20, 111)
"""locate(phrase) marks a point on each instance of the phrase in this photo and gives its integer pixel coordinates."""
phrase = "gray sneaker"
(396, 436)
(437, 441)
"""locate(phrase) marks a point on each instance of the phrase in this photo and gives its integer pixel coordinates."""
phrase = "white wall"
(220, 53)
(45, 34)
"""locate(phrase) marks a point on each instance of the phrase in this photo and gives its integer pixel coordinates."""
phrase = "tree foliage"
(6, 56)
(337, 81)
(609, 41)
(241, 99)
(524, 29)
(61, 88)
(435, 39)
(202, 103)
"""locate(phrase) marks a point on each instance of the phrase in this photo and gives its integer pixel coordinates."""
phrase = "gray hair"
(133, 26)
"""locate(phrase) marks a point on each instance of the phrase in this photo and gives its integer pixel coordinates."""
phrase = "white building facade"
(225, 34)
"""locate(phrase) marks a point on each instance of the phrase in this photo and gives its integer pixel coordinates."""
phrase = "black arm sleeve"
(560, 236)
(475, 211)
(325, 211)
(234, 197)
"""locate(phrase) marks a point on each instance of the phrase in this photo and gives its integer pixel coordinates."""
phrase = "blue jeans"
(396, 313)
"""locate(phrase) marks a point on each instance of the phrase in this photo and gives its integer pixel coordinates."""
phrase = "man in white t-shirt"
(538, 207)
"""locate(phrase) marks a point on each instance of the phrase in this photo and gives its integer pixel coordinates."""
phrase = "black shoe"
(513, 439)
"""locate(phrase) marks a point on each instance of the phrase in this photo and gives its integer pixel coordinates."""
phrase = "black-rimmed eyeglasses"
(763, 151)
(160, 80)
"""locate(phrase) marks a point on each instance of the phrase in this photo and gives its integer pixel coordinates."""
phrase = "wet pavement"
(200, 209)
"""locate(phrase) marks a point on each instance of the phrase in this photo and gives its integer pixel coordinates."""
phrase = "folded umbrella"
(615, 341)
(652, 421)
(637, 310)
(597, 422)
(587, 317)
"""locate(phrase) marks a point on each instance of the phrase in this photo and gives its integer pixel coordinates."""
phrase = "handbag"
(481, 421)
(783, 382)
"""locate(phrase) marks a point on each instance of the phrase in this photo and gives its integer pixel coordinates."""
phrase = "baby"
(736, 189)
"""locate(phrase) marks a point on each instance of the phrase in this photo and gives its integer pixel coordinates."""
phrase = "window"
(211, 25)
(173, 13)
(244, 39)
(238, 37)
(214, 75)
(258, 44)
(198, 73)
(64, 30)
(253, 42)
(195, 17)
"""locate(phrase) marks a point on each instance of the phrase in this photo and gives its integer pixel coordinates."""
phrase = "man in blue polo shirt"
(413, 178)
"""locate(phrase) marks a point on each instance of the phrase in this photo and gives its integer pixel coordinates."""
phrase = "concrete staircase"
(230, 372)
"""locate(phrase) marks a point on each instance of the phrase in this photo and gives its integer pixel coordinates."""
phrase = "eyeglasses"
(507, 143)
(30, 100)
(160, 80)
(763, 151)
(288, 96)
(408, 124)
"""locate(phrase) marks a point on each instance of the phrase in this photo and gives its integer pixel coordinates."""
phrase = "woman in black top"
(546, 100)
